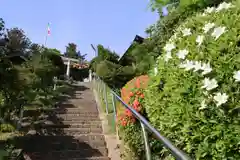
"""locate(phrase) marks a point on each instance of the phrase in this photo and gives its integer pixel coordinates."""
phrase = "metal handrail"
(177, 153)
(168, 144)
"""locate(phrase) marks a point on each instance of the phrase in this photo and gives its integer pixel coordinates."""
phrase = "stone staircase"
(73, 131)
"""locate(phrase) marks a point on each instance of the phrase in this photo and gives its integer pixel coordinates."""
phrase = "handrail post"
(105, 96)
(146, 142)
(115, 112)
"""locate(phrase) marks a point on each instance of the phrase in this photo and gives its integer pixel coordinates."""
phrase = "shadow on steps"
(63, 133)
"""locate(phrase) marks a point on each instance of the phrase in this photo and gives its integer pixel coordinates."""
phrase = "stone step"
(58, 144)
(49, 124)
(86, 122)
(75, 118)
(61, 111)
(68, 154)
(71, 126)
(75, 111)
(69, 131)
(81, 137)
(75, 115)
(91, 158)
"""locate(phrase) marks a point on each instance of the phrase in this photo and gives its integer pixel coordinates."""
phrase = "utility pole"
(95, 50)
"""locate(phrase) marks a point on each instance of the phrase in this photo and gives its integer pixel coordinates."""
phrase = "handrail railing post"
(146, 142)
(177, 153)
(105, 96)
(115, 112)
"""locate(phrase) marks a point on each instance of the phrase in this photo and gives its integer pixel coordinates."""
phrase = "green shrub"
(194, 104)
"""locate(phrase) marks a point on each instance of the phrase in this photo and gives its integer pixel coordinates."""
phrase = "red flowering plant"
(134, 100)
(130, 129)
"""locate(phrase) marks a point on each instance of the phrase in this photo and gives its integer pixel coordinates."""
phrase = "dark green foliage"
(21, 84)
(106, 66)
(107, 54)
(107, 71)
(79, 74)
(18, 42)
(123, 75)
(54, 56)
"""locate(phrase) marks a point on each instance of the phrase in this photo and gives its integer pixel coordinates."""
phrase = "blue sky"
(113, 24)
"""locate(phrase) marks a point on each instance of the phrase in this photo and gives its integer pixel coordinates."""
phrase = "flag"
(48, 29)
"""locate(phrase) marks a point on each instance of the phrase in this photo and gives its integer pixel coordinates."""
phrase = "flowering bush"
(194, 94)
(130, 129)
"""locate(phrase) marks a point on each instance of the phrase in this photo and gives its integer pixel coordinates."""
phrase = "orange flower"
(136, 103)
(131, 94)
(142, 95)
(138, 83)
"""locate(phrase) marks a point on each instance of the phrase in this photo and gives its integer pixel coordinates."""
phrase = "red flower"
(120, 117)
(133, 120)
(139, 93)
(136, 103)
(124, 123)
(128, 113)
(137, 108)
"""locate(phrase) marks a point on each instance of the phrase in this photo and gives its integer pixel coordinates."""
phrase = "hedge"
(193, 97)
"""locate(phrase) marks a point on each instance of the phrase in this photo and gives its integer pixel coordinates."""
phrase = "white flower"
(220, 98)
(168, 56)
(209, 84)
(197, 66)
(210, 9)
(189, 65)
(169, 47)
(237, 76)
(223, 5)
(174, 37)
(155, 71)
(182, 54)
(186, 32)
(202, 15)
(203, 105)
(205, 93)
(206, 68)
(218, 32)
(208, 26)
(182, 65)
(199, 40)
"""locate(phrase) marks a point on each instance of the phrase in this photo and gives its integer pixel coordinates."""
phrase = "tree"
(54, 56)
(72, 52)
(18, 42)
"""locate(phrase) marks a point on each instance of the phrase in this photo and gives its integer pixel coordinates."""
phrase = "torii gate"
(67, 61)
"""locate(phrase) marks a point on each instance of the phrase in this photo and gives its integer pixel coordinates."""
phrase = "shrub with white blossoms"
(197, 104)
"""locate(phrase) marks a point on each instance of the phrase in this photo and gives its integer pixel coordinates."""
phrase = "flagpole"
(48, 33)
(45, 43)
